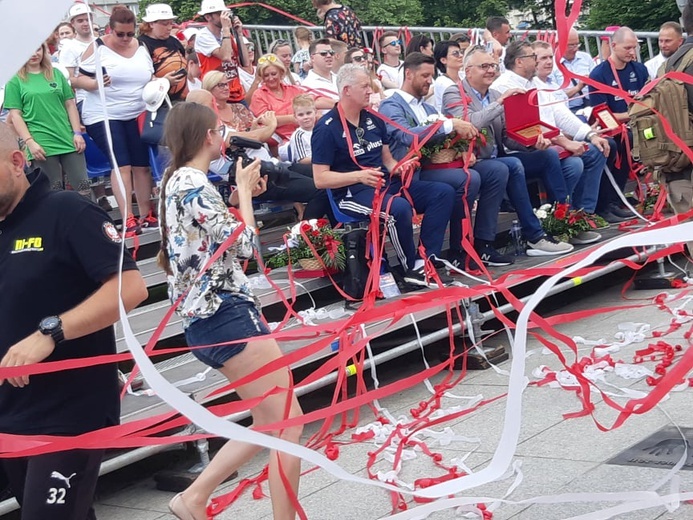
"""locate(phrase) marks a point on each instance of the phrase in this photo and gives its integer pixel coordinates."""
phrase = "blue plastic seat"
(158, 160)
(98, 164)
(341, 216)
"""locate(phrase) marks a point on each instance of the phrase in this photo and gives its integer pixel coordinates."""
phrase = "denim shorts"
(236, 318)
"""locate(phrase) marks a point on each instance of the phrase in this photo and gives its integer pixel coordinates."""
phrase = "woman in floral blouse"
(341, 22)
(217, 306)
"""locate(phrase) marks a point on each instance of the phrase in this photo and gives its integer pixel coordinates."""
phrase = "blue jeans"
(434, 199)
(572, 168)
(517, 192)
(236, 318)
(587, 190)
(545, 165)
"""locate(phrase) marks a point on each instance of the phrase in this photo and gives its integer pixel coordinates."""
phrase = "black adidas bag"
(357, 267)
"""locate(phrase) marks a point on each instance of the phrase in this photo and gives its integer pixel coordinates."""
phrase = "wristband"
(29, 139)
(77, 132)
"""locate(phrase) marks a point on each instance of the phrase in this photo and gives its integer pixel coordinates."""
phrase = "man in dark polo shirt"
(355, 175)
(59, 259)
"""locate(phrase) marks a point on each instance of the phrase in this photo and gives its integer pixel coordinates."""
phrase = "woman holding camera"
(218, 307)
(167, 52)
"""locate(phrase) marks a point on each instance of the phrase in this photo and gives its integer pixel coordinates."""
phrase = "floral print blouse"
(197, 223)
(341, 23)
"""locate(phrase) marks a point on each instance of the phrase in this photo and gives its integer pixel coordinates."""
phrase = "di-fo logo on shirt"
(111, 232)
(25, 245)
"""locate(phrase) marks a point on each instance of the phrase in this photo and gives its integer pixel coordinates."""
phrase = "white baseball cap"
(154, 93)
(212, 6)
(156, 12)
(190, 32)
(78, 9)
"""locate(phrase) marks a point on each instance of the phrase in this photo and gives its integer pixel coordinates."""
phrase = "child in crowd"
(305, 114)
(194, 81)
(301, 60)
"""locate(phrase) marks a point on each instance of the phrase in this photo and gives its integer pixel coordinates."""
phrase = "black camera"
(277, 174)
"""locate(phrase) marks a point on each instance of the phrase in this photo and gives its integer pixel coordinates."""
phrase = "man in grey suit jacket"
(408, 111)
(483, 107)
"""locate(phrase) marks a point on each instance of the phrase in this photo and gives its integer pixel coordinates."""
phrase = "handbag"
(152, 124)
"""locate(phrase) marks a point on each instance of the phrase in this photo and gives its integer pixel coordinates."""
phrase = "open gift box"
(602, 115)
(522, 119)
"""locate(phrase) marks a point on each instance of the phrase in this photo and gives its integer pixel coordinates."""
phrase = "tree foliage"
(643, 15)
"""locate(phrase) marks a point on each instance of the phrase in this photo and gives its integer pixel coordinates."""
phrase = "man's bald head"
(201, 97)
(13, 181)
(9, 141)
(624, 34)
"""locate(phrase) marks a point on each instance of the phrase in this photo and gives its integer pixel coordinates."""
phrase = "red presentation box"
(522, 119)
(603, 115)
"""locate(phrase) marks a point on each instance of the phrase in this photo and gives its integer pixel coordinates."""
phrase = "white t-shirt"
(300, 144)
(326, 87)
(246, 78)
(70, 56)
(195, 84)
(394, 74)
(124, 94)
(439, 85)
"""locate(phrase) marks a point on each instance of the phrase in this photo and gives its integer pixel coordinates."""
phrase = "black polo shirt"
(56, 248)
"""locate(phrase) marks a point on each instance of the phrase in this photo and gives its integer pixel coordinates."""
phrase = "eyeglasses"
(325, 54)
(220, 129)
(268, 58)
(533, 56)
(487, 66)
(124, 34)
(394, 43)
(222, 85)
(358, 59)
(455, 54)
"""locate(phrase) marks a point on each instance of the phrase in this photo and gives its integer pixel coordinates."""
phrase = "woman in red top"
(275, 95)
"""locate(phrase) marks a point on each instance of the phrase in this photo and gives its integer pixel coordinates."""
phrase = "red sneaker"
(132, 227)
(150, 221)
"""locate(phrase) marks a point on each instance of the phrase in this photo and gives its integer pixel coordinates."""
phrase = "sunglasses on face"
(251, 48)
(124, 34)
(324, 54)
(394, 43)
(358, 59)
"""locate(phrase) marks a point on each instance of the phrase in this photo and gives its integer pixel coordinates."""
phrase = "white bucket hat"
(155, 92)
(78, 9)
(212, 6)
(156, 12)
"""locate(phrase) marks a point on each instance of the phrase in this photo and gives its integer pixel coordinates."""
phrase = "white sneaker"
(548, 246)
(585, 237)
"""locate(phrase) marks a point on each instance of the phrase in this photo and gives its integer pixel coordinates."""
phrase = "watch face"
(50, 323)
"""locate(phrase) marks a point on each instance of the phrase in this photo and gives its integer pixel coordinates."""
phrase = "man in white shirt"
(670, 39)
(72, 50)
(321, 78)
(577, 62)
(390, 71)
(575, 134)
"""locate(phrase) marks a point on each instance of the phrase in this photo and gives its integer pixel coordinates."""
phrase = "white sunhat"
(78, 9)
(212, 6)
(156, 12)
(155, 92)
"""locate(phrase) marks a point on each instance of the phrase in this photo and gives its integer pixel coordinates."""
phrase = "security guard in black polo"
(59, 259)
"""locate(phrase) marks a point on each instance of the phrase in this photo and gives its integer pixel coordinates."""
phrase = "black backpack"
(357, 267)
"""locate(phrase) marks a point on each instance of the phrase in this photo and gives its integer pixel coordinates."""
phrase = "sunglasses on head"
(394, 43)
(124, 34)
(268, 58)
(324, 54)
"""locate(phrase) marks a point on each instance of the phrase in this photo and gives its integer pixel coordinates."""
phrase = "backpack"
(651, 145)
(357, 266)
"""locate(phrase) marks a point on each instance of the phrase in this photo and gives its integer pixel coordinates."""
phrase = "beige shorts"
(680, 196)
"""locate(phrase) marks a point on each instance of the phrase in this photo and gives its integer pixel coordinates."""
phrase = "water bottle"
(516, 236)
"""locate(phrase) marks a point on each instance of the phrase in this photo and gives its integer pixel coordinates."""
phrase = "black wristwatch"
(52, 326)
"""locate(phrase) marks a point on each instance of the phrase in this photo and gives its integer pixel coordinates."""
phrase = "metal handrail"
(263, 35)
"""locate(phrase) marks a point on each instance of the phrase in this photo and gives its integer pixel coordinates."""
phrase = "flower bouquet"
(323, 239)
(450, 149)
(563, 223)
